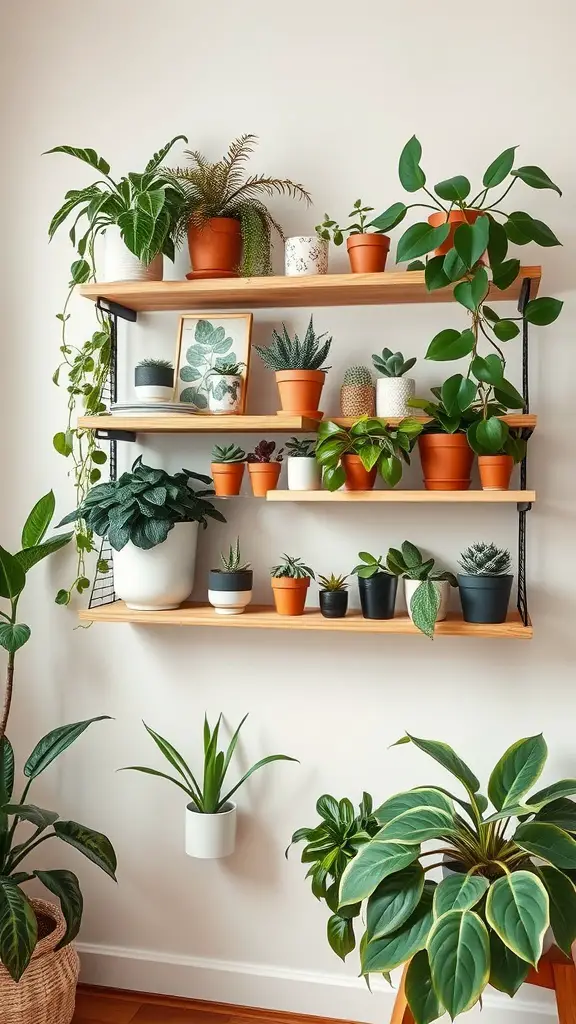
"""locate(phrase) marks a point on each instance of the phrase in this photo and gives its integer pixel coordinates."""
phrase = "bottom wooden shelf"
(266, 617)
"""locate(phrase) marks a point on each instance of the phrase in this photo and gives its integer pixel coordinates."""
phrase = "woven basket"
(46, 992)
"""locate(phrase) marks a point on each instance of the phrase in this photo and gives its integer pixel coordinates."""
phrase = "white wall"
(333, 91)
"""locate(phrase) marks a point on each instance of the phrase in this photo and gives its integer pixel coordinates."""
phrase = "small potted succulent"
(353, 457)
(302, 468)
(485, 582)
(263, 469)
(154, 380)
(498, 448)
(290, 582)
(367, 250)
(333, 596)
(377, 587)
(210, 815)
(230, 586)
(225, 386)
(426, 588)
(393, 389)
(227, 469)
(299, 368)
(357, 396)
(306, 255)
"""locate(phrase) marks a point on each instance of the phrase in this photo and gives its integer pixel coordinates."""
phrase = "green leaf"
(18, 929)
(499, 168)
(548, 842)
(471, 293)
(459, 892)
(390, 218)
(54, 743)
(543, 311)
(6, 770)
(490, 436)
(459, 953)
(31, 812)
(80, 271)
(507, 395)
(453, 190)
(369, 455)
(489, 369)
(517, 910)
(424, 605)
(458, 393)
(340, 931)
(535, 177)
(392, 902)
(434, 275)
(374, 862)
(65, 885)
(13, 636)
(560, 812)
(62, 444)
(447, 757)
(562, 899)
(507, 971)
(29, 557)
(505, 330)
(564, 788)
(505, 273)
(12, 576)
(417, 824)
(400, 802)
(450, 344)
(411, 175)
(420, 239)
(94, 845)
(521, 228)
(422, 999)
(391, 469)
(454, 268)
(137, 229)
(471, 240)
(490, 315)
(517, 771)
(497, 243)
(38, 520)
(392, 950)
(89, 156)
(416, 265)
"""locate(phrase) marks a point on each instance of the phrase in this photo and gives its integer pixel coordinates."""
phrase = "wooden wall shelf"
(394, 497)
(184, 423)
(398, 286)
(265, 617)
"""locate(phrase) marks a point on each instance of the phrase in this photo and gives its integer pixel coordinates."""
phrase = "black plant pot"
(154, 376)
(333, 603)
(230, 581)
(378, 595)
(484, 598)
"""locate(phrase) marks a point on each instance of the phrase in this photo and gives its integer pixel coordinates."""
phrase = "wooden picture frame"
(206, 340)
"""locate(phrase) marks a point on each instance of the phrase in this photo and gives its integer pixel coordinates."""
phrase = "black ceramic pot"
(484, 598)
(230, 581)
(378, 595)
(154, 376)
(333, 603)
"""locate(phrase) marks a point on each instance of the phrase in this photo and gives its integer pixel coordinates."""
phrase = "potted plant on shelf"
(485, 921)
(426, 588)
(498, 448)
(230, 586)
(353, 457)
(228, 225)
(154, 380)
(263, 469)
(225, 389)
(377, 587)
(139, 215)
(393, 389)
(210, 816)
(227, 468)
(333, 596)
(367, 250)
(290, 582)
(299, 370)
(38, 965)
(151, 520)
(302, 468)
(485, 582)
(357, 392)
(306, 255)
(445, 453)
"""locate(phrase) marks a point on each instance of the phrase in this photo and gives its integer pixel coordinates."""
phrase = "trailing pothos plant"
(508, 877)
(145, 207)
(18, 924)
(376, 444)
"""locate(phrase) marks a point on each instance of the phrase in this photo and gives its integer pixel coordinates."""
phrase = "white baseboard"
(279, 988)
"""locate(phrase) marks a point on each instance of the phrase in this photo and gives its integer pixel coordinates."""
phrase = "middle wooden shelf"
(392, 497)
(186, 423)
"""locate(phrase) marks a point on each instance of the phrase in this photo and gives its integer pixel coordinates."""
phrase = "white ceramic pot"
(210, 835)
(410, 587)
(392, 394)
(153, 393)
(225, 394)
(121, 265)
(306, 254)
(303, 473)
(230, 592)
(161, 578)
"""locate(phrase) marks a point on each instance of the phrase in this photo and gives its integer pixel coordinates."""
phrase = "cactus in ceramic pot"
(357, 392)
(393, 389)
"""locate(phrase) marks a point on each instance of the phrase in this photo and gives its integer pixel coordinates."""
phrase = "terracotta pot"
(300, 391)
(290, 595)
(367, 253)
(357, 478)
(217, 245)
(446, 461)
(227, 478)
(264, 477)
(495, 471)
(455, 219)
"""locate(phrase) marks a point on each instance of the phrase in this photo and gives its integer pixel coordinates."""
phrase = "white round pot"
(303, 473)
(153, 393)
(306, 254)
(121, 265)
(392, 394)
(225, 394)
(210, 835)
(230, 592)
(161, 578)
(410, 587)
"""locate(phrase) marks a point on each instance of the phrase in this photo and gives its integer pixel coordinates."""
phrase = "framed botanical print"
(205, 341)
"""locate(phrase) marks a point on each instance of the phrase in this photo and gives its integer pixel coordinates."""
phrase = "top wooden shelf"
(277, 292)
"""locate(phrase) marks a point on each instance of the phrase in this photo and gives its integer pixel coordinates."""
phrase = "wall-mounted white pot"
(392, 394)
(230, 592)
(210, 835)
(121, 265)
(410, 587)
(225, 394)
(161, 578)
(305, 255)
(303, 473)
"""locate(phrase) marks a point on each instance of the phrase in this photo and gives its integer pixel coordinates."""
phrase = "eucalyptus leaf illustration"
(211, 345)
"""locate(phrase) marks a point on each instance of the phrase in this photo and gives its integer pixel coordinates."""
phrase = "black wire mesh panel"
(522, 596)
(103, 587)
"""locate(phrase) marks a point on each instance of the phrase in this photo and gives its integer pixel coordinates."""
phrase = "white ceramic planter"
(161, 578)
(305, 255)
(230, 592)
(303, 473)
(392, 394)
(410, 586)
(121, 265)
(211, 835)
(153, 393)
(225, 394)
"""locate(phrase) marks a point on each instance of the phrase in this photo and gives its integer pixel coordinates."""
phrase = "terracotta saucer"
(196, 275)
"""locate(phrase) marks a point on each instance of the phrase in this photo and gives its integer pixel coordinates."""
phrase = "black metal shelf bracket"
(114, 309)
